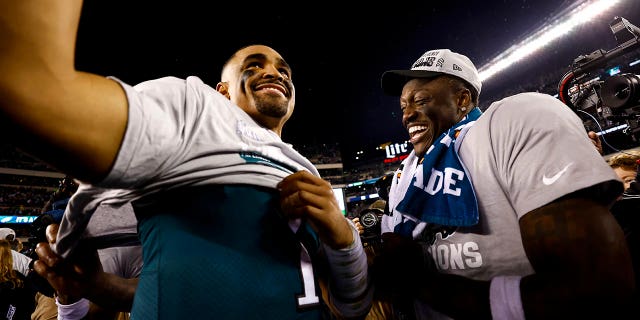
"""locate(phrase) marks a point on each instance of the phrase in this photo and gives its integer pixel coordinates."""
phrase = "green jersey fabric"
(243, 257)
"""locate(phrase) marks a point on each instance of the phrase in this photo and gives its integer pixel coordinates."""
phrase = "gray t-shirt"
(110, 221)
(199, 138)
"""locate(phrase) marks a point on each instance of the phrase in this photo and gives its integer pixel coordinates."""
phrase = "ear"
(223, 88)
(464, 98)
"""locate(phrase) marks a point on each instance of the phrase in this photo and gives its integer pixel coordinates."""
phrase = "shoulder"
(531, 109)
(529, 101)
(20, 256)
(172, 93)
(165, 82)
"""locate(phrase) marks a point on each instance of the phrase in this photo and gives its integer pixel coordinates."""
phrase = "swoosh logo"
(551, 180)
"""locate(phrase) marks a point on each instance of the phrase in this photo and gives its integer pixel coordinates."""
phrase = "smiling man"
(502, 214)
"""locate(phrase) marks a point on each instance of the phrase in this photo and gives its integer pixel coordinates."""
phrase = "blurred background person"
(627, 209)
(17, 295)
(21, 262)
(625, 164)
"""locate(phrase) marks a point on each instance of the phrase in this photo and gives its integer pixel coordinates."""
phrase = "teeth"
(272, 90)
(416, 128)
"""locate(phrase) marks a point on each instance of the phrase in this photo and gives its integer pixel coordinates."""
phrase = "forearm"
(349, 283)
(114, 292)
(533, 297)
(580, 257)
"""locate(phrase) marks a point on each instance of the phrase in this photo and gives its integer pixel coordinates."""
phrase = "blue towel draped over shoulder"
(442, 192)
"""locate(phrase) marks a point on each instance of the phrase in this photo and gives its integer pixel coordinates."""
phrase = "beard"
(272, 106)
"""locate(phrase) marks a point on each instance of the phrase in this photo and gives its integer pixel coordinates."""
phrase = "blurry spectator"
(625, 164)
(17, 295)
(22, 264)
(7, 234)
(627, 209)
(20, 261)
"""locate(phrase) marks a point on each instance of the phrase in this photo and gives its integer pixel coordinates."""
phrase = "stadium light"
(563, 23)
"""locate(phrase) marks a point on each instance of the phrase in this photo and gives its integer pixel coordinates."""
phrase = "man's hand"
(303, 195)
(595, 139)
(359, 226)
(72, 278)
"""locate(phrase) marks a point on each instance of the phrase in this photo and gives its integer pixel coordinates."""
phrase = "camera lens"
(621, 91)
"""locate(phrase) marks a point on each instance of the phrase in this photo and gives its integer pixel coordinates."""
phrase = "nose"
(271, 71)
(408, 114)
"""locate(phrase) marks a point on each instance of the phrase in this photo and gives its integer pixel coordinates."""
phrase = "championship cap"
(432, 63)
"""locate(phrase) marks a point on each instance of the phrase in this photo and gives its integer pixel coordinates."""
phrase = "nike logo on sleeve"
(551, 180)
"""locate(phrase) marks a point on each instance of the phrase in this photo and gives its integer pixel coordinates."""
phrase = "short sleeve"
(542, 151)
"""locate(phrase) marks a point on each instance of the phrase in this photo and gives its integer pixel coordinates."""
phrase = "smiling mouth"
(417, 133)
(272, 88)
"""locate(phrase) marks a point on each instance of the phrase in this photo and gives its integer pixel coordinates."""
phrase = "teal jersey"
(224, 252)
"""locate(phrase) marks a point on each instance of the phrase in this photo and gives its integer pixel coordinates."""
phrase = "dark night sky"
(337, 49)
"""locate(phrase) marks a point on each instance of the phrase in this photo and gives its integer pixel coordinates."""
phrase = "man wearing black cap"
(509, 206)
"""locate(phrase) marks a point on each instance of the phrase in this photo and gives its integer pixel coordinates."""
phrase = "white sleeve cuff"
(74, 311)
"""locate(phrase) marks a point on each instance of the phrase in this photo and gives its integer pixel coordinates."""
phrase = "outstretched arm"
(70, 119)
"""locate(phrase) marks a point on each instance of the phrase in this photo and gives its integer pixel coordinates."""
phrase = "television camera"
(609, 104)
(612, 103)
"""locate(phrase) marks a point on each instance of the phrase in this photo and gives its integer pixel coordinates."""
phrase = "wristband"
(504, 297)
(74, 311)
